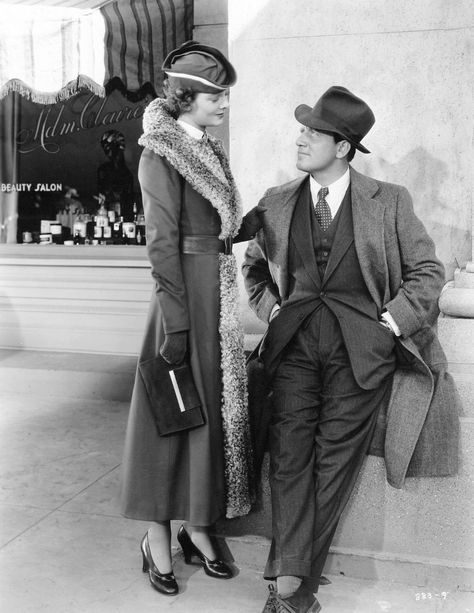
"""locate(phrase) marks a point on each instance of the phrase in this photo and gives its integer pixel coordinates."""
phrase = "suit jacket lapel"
(302, 236)
(368, 218)
(343, 239)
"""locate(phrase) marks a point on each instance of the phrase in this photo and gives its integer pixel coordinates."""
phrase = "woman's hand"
(251, 224)
(253, 220)
(174, 348)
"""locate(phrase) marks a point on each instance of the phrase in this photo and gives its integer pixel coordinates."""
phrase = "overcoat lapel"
(368, 215)
(278, 235)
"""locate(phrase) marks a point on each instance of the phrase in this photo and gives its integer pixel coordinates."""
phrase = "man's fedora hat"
(339, 110)
(199, 67)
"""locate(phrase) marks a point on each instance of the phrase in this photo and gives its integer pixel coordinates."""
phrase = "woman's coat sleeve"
(161, 187)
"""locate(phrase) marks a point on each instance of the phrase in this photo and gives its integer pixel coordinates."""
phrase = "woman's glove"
(251, 224)
(174, 348)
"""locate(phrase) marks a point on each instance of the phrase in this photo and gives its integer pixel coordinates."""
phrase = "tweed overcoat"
(418, 435)
(202, 474)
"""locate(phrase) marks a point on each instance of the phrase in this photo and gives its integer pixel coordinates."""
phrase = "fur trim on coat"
(204, 165)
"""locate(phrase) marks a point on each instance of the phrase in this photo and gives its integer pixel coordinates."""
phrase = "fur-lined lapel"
(203, 163)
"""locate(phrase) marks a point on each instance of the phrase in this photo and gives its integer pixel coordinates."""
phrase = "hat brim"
(304, 114)
(191, 82)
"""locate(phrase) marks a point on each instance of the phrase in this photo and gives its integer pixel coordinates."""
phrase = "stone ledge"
(457, 297)
(251, 551)
(457, 302)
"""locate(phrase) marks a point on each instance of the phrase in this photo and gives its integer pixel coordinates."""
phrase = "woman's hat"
(339, 110)
(199, 67)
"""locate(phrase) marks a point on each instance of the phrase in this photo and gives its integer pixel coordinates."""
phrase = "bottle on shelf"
(89, 221)
(117, 230)
(102, 217)
(141, 230)
(79, 227)
(97, 228)
(56, 230)
(129, 232)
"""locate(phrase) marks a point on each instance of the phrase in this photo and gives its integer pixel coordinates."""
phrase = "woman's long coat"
(202, 474)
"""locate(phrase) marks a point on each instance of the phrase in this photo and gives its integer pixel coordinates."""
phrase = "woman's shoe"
(214, 568)
(165, 583)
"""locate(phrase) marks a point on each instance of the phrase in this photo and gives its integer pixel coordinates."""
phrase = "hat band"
(192, 77)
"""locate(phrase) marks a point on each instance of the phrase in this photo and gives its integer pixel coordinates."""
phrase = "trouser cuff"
(296, 568)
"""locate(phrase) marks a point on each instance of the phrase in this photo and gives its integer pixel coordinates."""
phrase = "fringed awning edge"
(70, 89)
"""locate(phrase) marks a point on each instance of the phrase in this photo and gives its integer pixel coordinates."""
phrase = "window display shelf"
(133, 256)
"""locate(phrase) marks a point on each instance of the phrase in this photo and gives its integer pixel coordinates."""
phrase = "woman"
(192, 214)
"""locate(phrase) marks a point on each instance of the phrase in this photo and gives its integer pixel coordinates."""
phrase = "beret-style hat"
(201, 68)
(339, 110)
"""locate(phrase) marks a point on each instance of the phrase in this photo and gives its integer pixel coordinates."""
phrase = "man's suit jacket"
(420, 432)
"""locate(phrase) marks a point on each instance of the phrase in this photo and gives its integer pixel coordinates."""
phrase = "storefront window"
(76, 167)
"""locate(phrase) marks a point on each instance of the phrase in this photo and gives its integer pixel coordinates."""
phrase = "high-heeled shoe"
(165, 583)
(214, 568)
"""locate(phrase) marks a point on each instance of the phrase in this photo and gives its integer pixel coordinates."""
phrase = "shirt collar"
(191, 130)
(337, 190)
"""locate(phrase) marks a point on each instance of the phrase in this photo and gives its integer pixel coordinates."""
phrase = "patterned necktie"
(322, 210)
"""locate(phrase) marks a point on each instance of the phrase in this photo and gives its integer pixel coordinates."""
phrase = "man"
(347, 277)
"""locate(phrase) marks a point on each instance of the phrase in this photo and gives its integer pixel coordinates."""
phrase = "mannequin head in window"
(113, 145)
(114, 179)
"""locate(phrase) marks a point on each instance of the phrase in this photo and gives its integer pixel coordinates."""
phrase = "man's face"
(316, 151)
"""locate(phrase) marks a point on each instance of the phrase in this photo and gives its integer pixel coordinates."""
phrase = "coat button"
(322, 294)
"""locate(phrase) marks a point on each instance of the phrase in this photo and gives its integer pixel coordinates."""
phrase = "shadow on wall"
(427, 179)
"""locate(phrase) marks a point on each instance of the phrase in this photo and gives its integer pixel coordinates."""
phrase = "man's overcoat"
(418, 434)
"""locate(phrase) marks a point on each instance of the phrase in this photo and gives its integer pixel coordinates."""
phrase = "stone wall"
(413, 63)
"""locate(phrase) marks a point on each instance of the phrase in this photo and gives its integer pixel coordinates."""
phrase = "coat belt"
(205, 245)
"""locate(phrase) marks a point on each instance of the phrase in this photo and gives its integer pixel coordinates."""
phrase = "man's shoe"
(270, 604)
(302, 601)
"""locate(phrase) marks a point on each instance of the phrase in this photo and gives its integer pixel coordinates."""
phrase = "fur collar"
(203, 163)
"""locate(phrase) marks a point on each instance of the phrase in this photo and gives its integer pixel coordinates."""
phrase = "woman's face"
(208, 110)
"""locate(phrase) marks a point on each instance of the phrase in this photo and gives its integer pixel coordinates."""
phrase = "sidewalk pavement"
(64, 548)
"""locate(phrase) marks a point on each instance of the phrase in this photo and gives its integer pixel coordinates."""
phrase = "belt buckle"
(228, 245)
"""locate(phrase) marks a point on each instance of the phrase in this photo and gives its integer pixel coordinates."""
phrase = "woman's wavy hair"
(179, 98)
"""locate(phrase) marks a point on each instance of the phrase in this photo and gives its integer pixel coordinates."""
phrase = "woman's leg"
(159, 539)
(200, 537)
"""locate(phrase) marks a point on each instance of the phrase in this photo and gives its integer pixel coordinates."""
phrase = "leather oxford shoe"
(302, 601)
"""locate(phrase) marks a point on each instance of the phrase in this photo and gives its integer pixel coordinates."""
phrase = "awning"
(48, 53)
(138, 37)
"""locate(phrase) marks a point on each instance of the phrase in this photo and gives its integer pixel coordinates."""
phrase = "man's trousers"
(321, 428)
